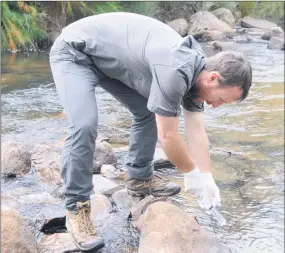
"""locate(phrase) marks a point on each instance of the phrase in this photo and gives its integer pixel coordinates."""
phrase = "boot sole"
(155, 194)
(99, 246)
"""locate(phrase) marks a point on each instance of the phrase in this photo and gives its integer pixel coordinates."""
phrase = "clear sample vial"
(214, 212)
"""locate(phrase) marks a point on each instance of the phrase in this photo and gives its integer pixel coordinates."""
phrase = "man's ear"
(214, 75)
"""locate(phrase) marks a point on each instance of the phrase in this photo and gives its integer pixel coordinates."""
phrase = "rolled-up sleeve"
(190, 105)
(168, 87)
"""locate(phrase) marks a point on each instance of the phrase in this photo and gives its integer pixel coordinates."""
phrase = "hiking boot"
(157, 186)
(80, 226)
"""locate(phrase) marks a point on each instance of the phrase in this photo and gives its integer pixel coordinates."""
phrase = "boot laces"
(157, 181)
(84, 221)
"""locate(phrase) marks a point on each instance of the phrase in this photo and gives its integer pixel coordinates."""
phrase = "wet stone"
(101, 206)
(167, 228)
(16, 235)
(109, 171)
(47, 161)
(57, 243)
(102, 184)
(104, 154)
(15, 159)
(124, 201)
(139, 208)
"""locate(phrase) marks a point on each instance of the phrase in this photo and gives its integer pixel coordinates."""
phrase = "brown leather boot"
(157, 186)
(82, 229)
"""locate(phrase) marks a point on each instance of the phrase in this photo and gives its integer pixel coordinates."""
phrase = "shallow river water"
(247, 141)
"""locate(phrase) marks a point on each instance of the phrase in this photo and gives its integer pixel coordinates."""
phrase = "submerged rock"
(217, 45)
(276, 43)
(16, 236)
(274, 31)
(15, 159)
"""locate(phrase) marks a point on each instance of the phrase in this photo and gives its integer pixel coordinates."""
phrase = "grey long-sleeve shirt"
(144, 54)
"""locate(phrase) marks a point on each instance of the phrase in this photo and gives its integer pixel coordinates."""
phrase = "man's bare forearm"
(176, 151)
(197, 140)
(173, 144)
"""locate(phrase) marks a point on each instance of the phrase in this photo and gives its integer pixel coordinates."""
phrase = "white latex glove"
(203, 187)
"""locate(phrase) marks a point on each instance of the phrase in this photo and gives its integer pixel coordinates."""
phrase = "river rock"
(273, 32)
(204, 21)
(242, 39)
(102, 184)
(213, 35)
(258, 32)
(249, 22)
(276, 43)
(217, 45)
(58, 242)
(109, 171)
(15, 159)
(179, 25)
(124, 201)
(47, 162)
(139, 208)
(104, 154)
(101, 206)
(237, 15)
(225, 15)
(16, 236)
(167, 228)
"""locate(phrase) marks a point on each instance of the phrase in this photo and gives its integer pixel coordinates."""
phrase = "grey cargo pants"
(75, 77)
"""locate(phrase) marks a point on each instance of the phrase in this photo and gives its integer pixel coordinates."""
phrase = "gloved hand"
(203, 187)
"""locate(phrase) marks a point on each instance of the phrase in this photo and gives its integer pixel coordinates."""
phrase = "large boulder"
(167, 228)
(46, 161)
(179, 25)
(237, 14)
(15, 159)
(104, 154)
(249, 22)
(276, 43)
(225, 15)
(16, 236)
(273, 32)
(205, 21)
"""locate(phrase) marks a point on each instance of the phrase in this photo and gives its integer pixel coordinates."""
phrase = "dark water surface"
(247, 142)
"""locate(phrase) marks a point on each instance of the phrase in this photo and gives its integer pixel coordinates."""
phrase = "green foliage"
(269, 10)
(103, 7)
(140, 7)
(19, 27)
(246, 8)
(228, 5)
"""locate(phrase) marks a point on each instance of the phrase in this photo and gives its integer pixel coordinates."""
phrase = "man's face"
(209, 90)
